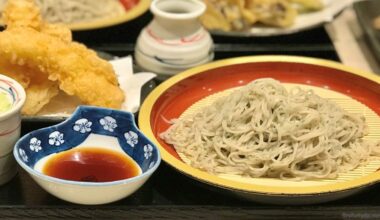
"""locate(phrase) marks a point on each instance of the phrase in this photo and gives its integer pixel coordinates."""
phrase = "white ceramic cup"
(10, 126)
(174, 40)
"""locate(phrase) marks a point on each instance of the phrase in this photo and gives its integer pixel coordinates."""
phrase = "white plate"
(303, 21)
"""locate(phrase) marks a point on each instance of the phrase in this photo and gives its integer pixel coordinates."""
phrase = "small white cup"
(10, 126)
(174, 40)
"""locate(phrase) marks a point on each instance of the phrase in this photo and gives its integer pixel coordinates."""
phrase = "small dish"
(10, 119)
(96, 127)
(13, 96)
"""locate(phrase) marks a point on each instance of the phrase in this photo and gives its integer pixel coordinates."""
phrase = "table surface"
(169, 194)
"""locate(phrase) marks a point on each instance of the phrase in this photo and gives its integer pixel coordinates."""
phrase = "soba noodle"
(263, 130)
(75, 11)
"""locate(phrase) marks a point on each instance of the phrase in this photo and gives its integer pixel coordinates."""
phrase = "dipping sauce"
(91, 165)
(5, 103)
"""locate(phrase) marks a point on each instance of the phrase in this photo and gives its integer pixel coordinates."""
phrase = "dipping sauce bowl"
(96, 156)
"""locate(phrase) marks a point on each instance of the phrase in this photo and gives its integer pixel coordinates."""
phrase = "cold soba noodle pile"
(263, 130)
(74, 11)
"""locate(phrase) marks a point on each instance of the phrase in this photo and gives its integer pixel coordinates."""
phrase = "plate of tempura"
(268, 17)
(58, 72)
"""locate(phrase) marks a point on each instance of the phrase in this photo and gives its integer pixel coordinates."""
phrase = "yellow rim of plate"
(146, 109)
(134, 12)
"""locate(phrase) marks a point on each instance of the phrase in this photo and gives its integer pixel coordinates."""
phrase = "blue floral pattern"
(23, 155)
(82, 125)
(148, 151)
(56, 138)
(35, 144)
(132, 138)
(108, 123)
(151, 164)
(89, 122)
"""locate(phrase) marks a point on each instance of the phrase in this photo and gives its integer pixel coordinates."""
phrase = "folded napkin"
(130, 83)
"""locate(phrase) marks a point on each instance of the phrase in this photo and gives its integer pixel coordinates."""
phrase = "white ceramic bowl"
(8, 168)
(10, 126)
(89, 126)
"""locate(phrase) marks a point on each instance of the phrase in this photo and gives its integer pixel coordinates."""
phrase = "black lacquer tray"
(171, 195)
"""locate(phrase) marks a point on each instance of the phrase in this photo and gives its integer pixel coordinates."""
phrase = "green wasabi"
(5, 103)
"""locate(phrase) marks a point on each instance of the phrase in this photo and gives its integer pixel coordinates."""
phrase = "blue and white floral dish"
(89, 126)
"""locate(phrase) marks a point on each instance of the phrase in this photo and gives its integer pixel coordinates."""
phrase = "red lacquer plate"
(170, 99)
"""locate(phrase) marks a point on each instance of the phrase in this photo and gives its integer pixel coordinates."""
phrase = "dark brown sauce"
(91, 165)
(177, 11)
(174, 10)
